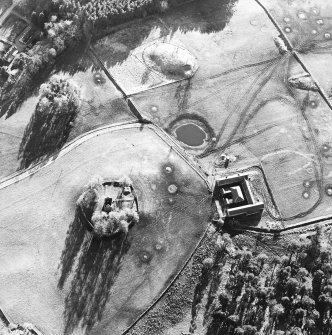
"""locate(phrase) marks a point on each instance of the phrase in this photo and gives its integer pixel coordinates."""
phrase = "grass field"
(4, 5)
(100, 104)
(308, 26)
(191, 27)
(57, 278)
(250, 110)
(250, 130)
(239, 94)
(11, 132)
(174, 313)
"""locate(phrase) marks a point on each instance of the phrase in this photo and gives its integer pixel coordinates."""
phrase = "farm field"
(250, 112)
(97, 286)
(100, 104)
(192, 306)
(167, 100)
(4, 5)
(308, 26)
(216, 25)
(230, 67)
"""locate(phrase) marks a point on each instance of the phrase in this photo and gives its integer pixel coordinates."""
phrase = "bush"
(118, 221)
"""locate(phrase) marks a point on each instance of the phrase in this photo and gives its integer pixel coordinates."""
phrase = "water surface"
(190, 134)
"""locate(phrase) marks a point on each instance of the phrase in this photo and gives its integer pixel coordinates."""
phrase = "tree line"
(289, 294)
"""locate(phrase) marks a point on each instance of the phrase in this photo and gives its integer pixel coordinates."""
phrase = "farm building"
(234, 199)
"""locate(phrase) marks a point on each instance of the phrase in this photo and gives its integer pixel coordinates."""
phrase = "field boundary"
(125, 332)
(273, 231)
(294, 52)
(127, 96)
(101, 131)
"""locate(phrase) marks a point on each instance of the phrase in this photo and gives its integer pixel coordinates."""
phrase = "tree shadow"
(92, 265)
(206, 16)
(76, 59)
(73, 243)
(45, 134)
(19, 91)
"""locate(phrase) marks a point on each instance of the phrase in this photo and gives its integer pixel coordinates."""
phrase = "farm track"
(168, 139)
(6, 13)
(307, 225)
(102, 130)
(293, 51)
(141, 121)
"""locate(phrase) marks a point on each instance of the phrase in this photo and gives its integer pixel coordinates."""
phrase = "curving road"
(55, 276)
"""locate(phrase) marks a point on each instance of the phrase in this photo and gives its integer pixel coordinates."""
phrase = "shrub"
(108, 223)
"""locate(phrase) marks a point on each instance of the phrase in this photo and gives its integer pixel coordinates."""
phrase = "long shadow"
(76, 59)
(39, 141)
(73, 243)
(204, 16)
(92, 265)
(45, 134)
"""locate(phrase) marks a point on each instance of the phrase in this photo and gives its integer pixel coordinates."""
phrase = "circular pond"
(191, 134)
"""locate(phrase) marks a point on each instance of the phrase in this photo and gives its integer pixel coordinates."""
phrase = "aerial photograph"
(165, 167)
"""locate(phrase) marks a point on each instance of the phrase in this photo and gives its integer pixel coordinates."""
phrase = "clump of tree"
(58, 33)
(63, 25)
(113, 11)
(110, 223)
(50, 125)
(15, 329)
(289, 294)
(107, 224)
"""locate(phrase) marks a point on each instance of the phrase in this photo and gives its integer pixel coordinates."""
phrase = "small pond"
(191, 134)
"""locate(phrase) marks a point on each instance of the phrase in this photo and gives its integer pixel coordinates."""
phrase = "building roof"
(233, 196)
(237, 194)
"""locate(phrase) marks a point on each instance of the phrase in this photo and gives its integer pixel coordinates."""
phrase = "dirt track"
(55, 277)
